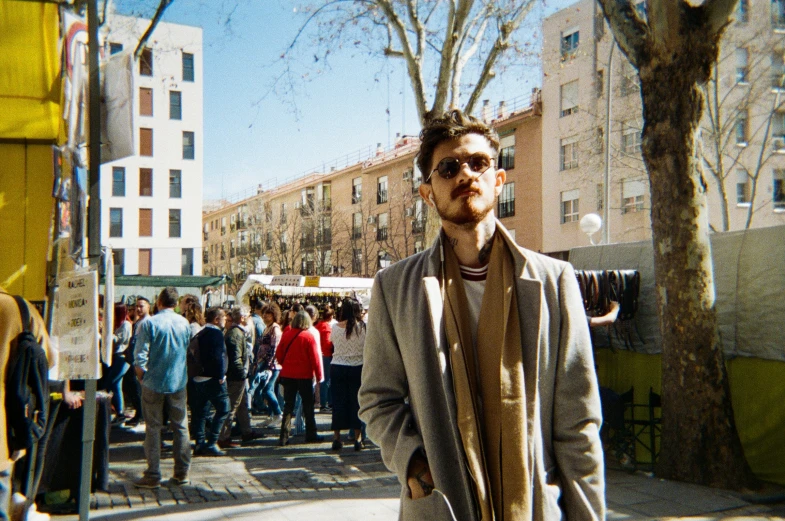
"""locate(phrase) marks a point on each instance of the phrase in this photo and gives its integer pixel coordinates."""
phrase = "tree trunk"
(699, 439)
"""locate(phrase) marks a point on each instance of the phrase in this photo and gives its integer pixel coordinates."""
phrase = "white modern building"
(151, 202)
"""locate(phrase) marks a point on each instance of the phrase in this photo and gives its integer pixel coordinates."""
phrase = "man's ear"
(501, 177)
(426, 192)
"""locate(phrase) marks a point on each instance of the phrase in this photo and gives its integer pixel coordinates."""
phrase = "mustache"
(464, 188)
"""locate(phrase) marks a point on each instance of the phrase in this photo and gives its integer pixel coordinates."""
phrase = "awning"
(162, 281)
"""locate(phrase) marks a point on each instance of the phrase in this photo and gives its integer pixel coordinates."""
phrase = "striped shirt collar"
(474, 274)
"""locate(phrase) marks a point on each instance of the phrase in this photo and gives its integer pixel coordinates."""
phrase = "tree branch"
(159, 12)
(628, 29)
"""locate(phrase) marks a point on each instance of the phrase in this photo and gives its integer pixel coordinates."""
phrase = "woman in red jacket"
(301, 362)
(325, 328)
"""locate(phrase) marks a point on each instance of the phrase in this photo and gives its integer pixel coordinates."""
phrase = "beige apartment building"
(742, 139)
(350, 220)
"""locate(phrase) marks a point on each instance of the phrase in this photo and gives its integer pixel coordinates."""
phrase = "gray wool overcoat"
(407, 398)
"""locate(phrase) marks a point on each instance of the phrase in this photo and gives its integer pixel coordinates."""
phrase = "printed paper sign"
(75, 327)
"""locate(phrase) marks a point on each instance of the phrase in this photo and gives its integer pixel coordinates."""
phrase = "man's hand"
(72, 400)
(139, 373)
(419, 478)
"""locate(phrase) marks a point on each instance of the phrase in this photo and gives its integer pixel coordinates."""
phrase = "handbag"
(290, 345)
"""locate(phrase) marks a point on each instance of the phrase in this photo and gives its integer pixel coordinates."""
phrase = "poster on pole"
(107, 339)
(75, 327)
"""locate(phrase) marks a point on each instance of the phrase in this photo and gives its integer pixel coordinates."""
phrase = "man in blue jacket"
(160, 365)
(210, 384)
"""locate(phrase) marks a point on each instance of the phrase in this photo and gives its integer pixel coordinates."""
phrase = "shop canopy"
(29, 71)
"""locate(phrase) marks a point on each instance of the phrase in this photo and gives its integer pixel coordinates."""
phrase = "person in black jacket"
(210, 386)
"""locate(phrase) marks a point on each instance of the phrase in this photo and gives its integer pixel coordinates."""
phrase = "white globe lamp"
(590, 224)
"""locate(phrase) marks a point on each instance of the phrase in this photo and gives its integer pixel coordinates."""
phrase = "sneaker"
(179, 481)
(275, 419)
(326, 409)
(211, 450)
(148, 482)
(228, 444)
(337, 445)
(359, 445)
(198, 449)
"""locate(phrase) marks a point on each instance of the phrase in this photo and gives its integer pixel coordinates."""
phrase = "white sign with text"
(75, 328)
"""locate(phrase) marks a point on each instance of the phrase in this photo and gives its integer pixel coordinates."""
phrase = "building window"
(115, 222)
(507, 152)
(778, 190)
(632, 196)
(223, 225)
(569, 43)
(115, 48)
(506, 205)
(146, 142)
(175, 105)
(357, 225)
(145, 101)
(187, 261)
(188, 67)
(569, 206)
(357, 190)
(600, 196)
(777, 71)
(381, 190)
(174, 222)
(146, 62)
(382, 227)
(600, 82)
(146, 182)
(418, 246)
(630, 82)
(118, 181)
(741, 127)
(175, 184)
(188, 145)
(742, 11)
(742, 65)
(631, 140)
(357, 260)
(145, 222)
(569, 153)
(778, 14)
(118, 259)
(743, 188)
(569, 98)
(284, 213)
(145, 262)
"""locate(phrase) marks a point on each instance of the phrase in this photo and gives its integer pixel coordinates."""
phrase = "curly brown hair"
(451, 125)
(274, 310)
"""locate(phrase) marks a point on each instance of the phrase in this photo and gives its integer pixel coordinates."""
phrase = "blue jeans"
(206, 393)
(5, 494)
(269, 393)
(114, 382)
(324, 390)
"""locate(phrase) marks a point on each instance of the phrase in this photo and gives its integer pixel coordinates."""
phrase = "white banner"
(107, 344)
(75, 327)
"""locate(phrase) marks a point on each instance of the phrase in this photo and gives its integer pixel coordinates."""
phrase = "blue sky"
(250, 140)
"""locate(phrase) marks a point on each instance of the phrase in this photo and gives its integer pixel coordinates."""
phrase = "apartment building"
(583, 113)
(354, 219)
(151, 201)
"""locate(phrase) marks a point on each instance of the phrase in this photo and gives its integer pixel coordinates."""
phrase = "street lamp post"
(262, 263)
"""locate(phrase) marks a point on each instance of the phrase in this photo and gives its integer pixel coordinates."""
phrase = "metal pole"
(94, 247)
(606, 224)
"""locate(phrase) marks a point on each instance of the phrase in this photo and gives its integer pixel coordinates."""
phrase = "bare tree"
(398, 241)
(738, 137)
(455, 46)
(674, 50)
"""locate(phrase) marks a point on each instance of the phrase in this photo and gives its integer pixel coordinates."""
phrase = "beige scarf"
(489, 387)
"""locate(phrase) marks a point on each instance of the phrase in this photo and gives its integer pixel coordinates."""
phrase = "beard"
(463, 212)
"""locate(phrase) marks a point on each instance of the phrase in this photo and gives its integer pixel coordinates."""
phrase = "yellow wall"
(757, 390)
(25, 216)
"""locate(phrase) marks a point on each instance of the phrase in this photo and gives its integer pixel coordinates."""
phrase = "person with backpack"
(207, 364)
(23, 338)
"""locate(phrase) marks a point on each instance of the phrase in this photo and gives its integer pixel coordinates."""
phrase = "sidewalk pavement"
(310, 481)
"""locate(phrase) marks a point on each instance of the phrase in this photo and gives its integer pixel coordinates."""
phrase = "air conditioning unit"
(372, 219)
(407, 175)
(778, 144)
(410, 212)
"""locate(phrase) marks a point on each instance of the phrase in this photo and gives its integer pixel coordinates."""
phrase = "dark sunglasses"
(450, 166)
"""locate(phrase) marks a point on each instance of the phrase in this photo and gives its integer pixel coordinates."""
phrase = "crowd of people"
(227, 366)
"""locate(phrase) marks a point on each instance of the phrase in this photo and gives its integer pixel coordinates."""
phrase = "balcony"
(325, 238)
(223, 254)
(242, 250)
(325, 205)
(241, 225)
(232, 253)
(381, 234)
(418, 226)
(233, 227)
(357, 196)
(204, 235)
(223, 230)
(307, 242)
(357, 233)
(381, 196)
(506, 208)
(205, 257)
(416, 185)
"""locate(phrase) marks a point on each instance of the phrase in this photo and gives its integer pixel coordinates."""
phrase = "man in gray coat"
(478, 380)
